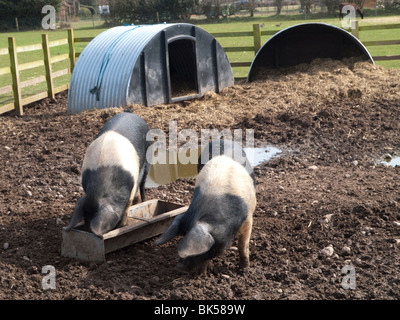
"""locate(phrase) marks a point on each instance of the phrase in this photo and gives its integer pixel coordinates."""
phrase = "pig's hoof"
(244, 263)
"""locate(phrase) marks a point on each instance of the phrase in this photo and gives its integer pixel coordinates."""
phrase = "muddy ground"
(334, 122)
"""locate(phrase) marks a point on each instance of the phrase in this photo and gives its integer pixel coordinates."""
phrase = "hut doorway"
(182, 67)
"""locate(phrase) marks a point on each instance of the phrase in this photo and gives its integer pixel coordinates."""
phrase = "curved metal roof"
(109, 58)
(303, 43)
(111, 61)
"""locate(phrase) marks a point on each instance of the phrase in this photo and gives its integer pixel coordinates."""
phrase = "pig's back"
(223, 175)
(130, 126)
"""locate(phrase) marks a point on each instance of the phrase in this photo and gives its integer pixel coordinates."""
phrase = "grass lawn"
(81, 29)
(269, 22)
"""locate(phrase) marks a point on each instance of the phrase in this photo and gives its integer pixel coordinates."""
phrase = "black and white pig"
(222, 206)
(114, 172)
(226, 147)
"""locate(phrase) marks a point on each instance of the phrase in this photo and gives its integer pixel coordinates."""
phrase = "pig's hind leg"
(244, 241)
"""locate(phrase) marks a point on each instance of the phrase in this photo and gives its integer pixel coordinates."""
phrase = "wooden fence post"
(257, 37)
(12, 49)
(355, 31)
(71, 44)
(47, 66)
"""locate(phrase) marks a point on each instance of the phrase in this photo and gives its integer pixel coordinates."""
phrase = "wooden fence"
(381, 42)
(256, 34)
(15, 68)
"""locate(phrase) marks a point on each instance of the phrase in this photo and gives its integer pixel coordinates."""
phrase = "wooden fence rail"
(358, 29)
(15, 68)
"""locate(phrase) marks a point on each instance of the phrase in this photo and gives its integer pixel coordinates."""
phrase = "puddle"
(257, 156)
(161, 174)
(395, 161)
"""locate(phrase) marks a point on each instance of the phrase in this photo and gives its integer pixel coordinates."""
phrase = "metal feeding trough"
(145, 220)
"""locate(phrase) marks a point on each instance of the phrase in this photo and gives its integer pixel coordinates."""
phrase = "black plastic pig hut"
(148, 65)
(303, 43)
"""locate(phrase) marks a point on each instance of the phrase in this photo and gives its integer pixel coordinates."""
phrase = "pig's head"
(104, 205)
(194, 249)
(195, 265)
(107, 216)
(100, 216)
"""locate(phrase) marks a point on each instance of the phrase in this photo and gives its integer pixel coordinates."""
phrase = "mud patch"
(326, 191)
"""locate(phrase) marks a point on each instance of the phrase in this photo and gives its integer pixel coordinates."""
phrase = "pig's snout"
(180, 267)
(105, 220)
(192, 266)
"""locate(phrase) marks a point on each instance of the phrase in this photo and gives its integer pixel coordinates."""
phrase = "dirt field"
(334, 123)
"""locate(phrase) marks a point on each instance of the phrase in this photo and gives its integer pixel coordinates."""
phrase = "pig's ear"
(171, 232)
(197, 241)
(77, 216)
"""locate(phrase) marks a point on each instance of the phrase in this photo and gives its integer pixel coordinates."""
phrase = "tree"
(148, 11)
(211, 8)
(175, 9)
(279, 5)
(360, 3)
(332, 5)
(90, 3)
(392, 6)
(252, 6)
(306, 5)
(28, 12)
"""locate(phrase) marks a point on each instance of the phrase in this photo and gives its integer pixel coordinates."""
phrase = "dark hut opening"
(182, 68)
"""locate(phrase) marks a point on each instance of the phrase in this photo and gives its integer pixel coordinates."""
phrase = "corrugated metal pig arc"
(125, 80)
(116, 74)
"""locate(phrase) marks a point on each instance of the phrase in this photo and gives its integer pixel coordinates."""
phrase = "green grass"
(269, 22)
(81, 29)
(393, 34)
